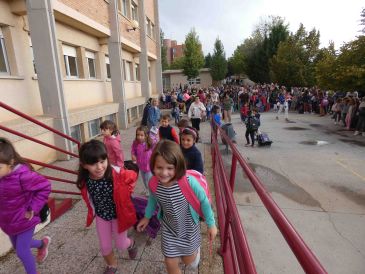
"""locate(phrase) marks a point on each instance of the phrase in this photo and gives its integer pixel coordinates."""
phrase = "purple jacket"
(20, 191)
(143, 156)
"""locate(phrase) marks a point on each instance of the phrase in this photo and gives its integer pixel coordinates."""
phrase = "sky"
(234, 20)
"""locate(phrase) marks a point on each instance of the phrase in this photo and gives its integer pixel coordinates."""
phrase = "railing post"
(233, 172)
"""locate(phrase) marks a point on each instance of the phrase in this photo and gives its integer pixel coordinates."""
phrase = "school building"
(174, 78)
(74, 63)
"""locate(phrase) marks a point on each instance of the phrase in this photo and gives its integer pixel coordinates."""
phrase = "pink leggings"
(107, 230)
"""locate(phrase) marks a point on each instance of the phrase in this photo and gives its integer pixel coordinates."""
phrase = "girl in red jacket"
(112, 142)
(107, 194)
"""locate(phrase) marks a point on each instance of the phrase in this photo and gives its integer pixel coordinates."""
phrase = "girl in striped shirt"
(180, 235)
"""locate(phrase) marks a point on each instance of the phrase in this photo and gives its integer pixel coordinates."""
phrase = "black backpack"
(253, 123)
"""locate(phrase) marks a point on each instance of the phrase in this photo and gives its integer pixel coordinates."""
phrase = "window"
(125, 8)
(152, 30)
(128, 69)
(90, 57)
(31, 53)
(194, 81)
(134, 11)
(110, 117)
(137, 73)
(4, 65)
(148, 23)
(76, 132)
(69, 54)
(94, 128)
(107, 63)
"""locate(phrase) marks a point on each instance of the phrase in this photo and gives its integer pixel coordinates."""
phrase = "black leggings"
(252, 135)
(195, 123)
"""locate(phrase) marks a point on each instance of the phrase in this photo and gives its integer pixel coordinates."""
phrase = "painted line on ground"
(350, 169)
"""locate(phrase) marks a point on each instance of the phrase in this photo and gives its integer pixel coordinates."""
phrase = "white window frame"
(137, 72)
(89, 125)
(32, 53)
(134, 9)
(148, 23)
(4, 54)
(127, 70)
(125, 8)
(152, 30)
(107, 64)
(76, 129)
(90, 56)
(69, 51)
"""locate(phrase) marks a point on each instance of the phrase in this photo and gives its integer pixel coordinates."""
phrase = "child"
(107, 195)
(252, 125)
(23, 193)
(192, 155)
(183, 123)
(141, 153)
(180, 223)
(176, 113)
(209, 107)
(112, 142)
(166, 131)
(244, 111)
(216, 112)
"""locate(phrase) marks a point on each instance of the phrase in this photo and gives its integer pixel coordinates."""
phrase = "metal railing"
(57, 209)
(234, 251)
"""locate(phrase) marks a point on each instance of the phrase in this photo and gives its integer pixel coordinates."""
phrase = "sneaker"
(356, 133)
(132, 250)
(277, 118)
(43, 251)
(110, 270)
(247, 145)
(286, 119)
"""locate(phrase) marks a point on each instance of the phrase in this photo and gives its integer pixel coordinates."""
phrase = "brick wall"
(96, 10)
(151, 46)
(132, 36)
(150, 10)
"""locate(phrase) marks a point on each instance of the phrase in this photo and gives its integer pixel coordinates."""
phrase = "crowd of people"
(162, 156)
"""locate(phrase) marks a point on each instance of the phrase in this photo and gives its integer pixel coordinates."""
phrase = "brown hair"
(107, 124)
(148, 139)
(90, 153)
(8, 154)
(171, 153)
(190, 131)
(166, 117)
(183, 123)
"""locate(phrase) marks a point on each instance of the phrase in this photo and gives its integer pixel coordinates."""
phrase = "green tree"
(208, 61)
(193, 55)
(178, 63)
(362, 20)
(164, 62)
(325, 67)
(219, 62)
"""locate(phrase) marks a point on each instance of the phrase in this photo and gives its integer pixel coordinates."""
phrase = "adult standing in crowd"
(154, 114)
(145, 112)
(227, 107)
(196, 112)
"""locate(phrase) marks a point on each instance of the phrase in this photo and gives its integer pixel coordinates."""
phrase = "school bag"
(253, 123)
(263, 139)
(186, 189)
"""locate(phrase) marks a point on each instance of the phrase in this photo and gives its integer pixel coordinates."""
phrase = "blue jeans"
(146, 176)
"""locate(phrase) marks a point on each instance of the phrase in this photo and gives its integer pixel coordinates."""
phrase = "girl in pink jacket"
(112, 143)
(23, 193)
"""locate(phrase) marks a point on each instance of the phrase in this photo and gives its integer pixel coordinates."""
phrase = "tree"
(219, 62)
(208, 61)
(178, 63)
(325, 68)
(194, 58)
(362, 20)
(164, 62)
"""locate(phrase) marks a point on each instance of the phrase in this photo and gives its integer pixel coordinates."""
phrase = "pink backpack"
(186, 189)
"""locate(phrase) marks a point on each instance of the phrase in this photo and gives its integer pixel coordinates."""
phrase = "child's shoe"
(43, 250)
(110, 270)
(132, 250)
(356, 133)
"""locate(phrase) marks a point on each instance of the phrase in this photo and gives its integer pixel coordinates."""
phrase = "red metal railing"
(305, 256)
(57, 209)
